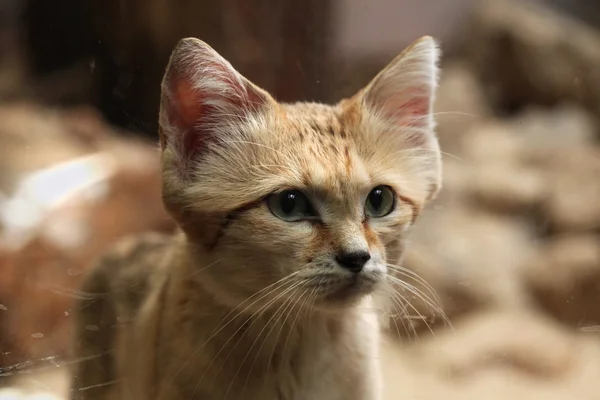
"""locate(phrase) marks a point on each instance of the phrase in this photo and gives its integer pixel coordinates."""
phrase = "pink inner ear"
(409, 109)
(416, 109)
(190, 106)
(185, 111)
(202, 93)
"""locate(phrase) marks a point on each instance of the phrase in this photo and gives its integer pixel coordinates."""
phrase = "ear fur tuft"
(201, 91)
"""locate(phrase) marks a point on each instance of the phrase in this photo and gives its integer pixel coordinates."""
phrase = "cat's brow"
(322, 192)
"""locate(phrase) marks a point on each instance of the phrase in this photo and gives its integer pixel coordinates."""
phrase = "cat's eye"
(291, 206)
(380, 202)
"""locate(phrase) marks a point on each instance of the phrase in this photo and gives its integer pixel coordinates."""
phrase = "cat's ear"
(401, 97)
(202, 95)
(404, 91)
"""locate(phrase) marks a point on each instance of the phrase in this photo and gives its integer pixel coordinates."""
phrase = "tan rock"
(49, 237)
(565, 278)
(456, 180)
(465, 257)
(556, 128)
(508, 188)
(526, 53)
(494, 355)
(460, 105)
(492, 142)
(573, 202)
(520, 340)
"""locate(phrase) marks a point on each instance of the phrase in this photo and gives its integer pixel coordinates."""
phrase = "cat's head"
(314, 197)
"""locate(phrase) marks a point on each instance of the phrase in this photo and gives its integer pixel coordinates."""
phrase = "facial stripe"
(415, 209)
(229, 218)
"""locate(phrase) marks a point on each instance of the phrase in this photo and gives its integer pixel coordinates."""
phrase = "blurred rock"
(564, 126)
(565, 278)
(521, 340)
(469, 259)
(492, 142)
(508, 188)
(460, 105)
(526, 53)
(33, 138)
(533, 138)
(456, 178)
(539, 158)
(573, 201)
(494, 355)
(71, 187)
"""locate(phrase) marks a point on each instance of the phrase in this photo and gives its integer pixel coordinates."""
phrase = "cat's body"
(152, 346)
(289, 216)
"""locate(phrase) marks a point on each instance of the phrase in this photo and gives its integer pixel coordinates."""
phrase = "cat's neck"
(231, 346)
(235, 337)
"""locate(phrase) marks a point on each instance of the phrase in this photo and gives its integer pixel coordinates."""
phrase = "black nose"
(354, 261)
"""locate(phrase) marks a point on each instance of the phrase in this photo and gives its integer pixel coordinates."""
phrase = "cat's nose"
(353, 261)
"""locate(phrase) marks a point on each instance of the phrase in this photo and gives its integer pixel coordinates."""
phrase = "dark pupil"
(288, 202)
(376, 198)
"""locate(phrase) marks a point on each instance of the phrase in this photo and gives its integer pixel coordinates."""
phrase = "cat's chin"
(349, 292)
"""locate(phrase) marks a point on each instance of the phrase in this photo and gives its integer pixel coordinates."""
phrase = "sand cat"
(289, 216)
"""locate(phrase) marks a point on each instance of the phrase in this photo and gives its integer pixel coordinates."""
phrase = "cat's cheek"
(260, 229)
(392, 238)
(388, 230)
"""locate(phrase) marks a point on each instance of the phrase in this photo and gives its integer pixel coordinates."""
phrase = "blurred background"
(511, 246)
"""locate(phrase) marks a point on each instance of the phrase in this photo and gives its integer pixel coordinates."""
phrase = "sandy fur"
(240, 304)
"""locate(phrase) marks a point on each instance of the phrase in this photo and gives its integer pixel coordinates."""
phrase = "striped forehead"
(332, 165)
